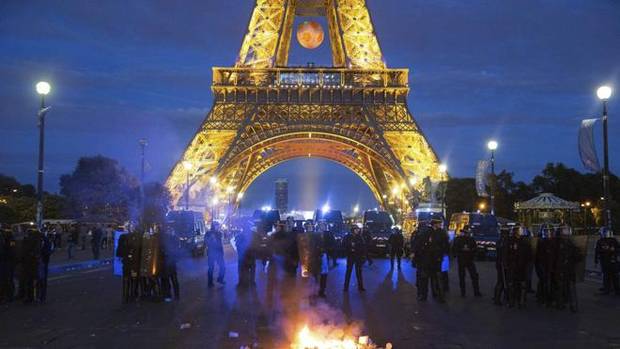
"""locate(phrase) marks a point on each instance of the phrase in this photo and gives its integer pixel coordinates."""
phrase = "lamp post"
(188, 167)
(603, 93)
(43, 88)
(143, 143)
(492, 146)
(585, 206)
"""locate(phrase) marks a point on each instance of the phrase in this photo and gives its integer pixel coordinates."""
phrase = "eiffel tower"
(266, 112)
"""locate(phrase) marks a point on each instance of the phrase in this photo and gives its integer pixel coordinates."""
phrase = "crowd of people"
(149, 260)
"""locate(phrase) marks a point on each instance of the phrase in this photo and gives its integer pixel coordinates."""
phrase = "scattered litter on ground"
(185, 326)
(233, 334)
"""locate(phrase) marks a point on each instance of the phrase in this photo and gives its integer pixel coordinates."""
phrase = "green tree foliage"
(461, 195)
(100, 187)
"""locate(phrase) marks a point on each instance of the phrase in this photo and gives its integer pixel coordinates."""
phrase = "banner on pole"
(481, 178)
(587, 150)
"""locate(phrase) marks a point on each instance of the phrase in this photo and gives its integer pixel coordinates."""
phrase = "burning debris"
(330, 337)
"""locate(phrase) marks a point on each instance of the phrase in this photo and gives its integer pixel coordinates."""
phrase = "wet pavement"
(84, 311)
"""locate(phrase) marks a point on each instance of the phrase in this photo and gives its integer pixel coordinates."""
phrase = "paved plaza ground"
(84, 311)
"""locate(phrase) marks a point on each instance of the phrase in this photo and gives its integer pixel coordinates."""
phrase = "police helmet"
(606, 232)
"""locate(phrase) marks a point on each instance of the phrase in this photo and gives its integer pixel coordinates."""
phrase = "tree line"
(100, 188)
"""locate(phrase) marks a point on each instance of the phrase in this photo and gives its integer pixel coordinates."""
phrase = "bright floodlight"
(413, 181)
(603, 93)
(240, 196)
(266, 208)
(43, 88)
(188, 165)
(213, 180)
(215, 201)
(395, 190)
(325, 208)
(356, 209)
(230, 189)
(443, 168)
(492, 145)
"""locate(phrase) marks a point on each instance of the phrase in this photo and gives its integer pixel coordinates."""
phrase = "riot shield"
(150, 256)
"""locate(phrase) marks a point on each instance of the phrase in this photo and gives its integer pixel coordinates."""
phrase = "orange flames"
(331, 338)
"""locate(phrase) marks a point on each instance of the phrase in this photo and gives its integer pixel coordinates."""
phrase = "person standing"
(96, 241)
(519, 259)
(73, 240)
(544, 265)
(246, 261)
(430, 246)
(464, 248)
(567, 255)
(501, 293)
(168, 276)
(606, 252)
(368, 241)
(396, 242)
(320, 263)
(129, 250)
(215, 254)
(31, 257)
(356, 253)
(47, 248)
(7, 266)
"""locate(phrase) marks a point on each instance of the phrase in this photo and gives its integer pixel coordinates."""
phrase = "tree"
(156, 204)
(461, 195)
(99, 186)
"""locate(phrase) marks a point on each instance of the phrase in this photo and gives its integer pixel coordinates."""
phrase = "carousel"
(546, 209)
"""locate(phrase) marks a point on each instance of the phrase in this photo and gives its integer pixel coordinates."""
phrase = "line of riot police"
(27, 262)
(149, 259)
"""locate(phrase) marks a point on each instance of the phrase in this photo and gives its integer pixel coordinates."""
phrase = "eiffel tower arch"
(265, 112)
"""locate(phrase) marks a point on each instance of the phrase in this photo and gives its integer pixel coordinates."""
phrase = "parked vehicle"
(484, 228)
(190, 229)
(334, 220)
(379, 225)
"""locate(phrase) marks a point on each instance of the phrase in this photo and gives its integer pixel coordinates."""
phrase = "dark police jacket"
(429, 247)
(464, 248)
(567, 255)
(606, 252)
(214, 243)
(545, 256)
(519, 257)
(397, 242)
(355, 247)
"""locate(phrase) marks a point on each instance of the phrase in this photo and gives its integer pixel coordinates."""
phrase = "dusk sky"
(523, 72)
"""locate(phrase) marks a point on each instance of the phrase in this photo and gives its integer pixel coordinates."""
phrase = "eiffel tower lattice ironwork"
(265, 112)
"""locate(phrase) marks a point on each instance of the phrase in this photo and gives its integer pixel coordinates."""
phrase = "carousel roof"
(546, 201)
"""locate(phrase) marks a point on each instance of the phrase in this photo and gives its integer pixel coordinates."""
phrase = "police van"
(190, 229)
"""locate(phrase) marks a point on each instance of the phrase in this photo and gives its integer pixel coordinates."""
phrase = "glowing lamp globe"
(310, 34)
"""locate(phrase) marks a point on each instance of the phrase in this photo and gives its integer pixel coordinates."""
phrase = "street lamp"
(492, 146)
(188, 167)
(356, 209)
(43, 89)
(603, 93)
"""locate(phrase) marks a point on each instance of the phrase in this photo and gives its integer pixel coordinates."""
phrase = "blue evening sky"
(521, 71)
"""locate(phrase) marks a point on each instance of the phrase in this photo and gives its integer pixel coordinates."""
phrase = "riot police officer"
(396, 243)
(606, 252)
(47, 248)
(519, 258)
(501, 266)
(356, 253)
(430, 246)
(215, 254)
(567, 255)
(31, 257)
(464, 248)
(246, 261)
(128, 249)
(319, 244)
(168, 277)
(544, 265)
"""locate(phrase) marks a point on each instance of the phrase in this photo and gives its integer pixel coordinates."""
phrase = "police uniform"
(567, 256)
(544, 265)
(519, 258)
(215, 254)
(430, 245)
(396, 242)
(464, 248)
(355, 250)
(607, 249)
